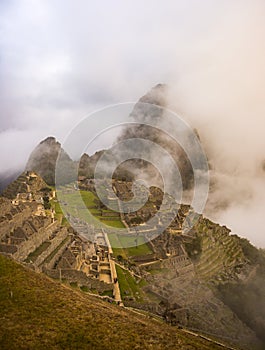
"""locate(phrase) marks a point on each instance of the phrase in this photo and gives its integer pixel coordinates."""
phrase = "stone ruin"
(32, 236)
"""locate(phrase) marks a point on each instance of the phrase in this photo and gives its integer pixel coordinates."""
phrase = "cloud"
(60, 61)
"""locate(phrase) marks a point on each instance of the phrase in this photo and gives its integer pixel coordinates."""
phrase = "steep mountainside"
(88, 163)
(246, 297)
(39, 313)
(43, 159)
(150, 109)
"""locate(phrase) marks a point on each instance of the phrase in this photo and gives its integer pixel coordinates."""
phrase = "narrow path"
(207, 338)
(198, 335)
(116, 287)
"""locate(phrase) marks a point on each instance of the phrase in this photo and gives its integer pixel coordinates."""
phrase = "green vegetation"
(57, 208)
(157, 271)
(49, 257)
(113, 223)
(33, 256)
(129, 245)
(254, 255)
(128, 285)
(84, 289)
(108, 293)
(39, 313)
(114, 242)
(58, 212)
(220, 253)
(136, 245)
(65, 222)
(94, 207)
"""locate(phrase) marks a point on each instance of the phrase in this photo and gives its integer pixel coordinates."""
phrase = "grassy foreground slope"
(38, 313)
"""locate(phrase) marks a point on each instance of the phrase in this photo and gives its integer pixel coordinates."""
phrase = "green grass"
(65, 222)
(135, 248)
(94, 211)
(128, 284)
(113, 223)
(58, 212)
(50, 256)
(40, 313)
(33, 256)
(114, 242)
(89, 199)
(108, 293)
(127, 245)
(57, 208)
(127, 287)
(84, 289)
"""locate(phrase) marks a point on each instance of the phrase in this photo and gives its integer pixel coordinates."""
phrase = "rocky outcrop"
(150, 109)
(87, 164)
(44, 157)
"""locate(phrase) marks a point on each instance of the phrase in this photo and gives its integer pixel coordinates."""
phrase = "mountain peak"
(157, 95)
(50, 140)
(44, 157)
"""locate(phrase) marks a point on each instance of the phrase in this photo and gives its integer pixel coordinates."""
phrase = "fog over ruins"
(132, 175)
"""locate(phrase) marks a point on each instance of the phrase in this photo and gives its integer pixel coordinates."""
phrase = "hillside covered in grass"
(38, 313)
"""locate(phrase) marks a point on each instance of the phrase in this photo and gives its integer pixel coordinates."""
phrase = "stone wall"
(61, 235)
(156, 265)
(10, 224)
(176, 262)
(177, 317)
(144, 258)
(27, 247)
(154, 308)
(5, 206)
(8, 248)
(79, 277)
(50, 264)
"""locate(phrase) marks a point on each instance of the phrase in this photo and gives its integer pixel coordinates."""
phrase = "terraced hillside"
(28, 182)
(221, 255)
(38, 313)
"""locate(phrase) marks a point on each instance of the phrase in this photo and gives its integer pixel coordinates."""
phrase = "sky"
(62, 60)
